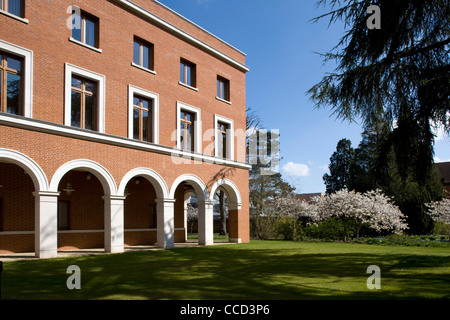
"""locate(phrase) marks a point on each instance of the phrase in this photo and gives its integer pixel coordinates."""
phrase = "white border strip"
(43, 126)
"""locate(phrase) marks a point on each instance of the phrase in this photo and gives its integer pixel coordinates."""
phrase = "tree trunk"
(294, 230)
(223, 216)
(345, 229)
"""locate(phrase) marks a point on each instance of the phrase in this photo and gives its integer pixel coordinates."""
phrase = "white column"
(165, 223)
(205, 223)
(46, 224)
(114, 224)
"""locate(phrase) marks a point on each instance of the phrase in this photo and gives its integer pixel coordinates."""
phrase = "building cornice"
(76, 133)
(182, 34)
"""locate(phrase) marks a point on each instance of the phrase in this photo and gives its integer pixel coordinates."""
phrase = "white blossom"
(372, 209)
(440, 211)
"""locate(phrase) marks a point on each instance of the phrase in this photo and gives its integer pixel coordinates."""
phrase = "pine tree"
(400, 72)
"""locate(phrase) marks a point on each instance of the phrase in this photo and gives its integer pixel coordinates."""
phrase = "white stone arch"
(162, 191)
(231, 190)
(199, 186)
(35, 172)
(103, 175)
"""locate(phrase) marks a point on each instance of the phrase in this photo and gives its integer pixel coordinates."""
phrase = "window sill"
(187, 86)
(143, 68)
(85, 45)
(6, 13)
(227, 102)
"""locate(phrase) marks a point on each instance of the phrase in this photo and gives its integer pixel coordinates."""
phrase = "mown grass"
(260, 270)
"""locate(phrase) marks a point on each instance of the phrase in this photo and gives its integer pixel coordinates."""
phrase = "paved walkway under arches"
(93, 252)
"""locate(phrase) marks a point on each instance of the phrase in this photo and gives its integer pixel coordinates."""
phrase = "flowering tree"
(372, 209)
(293, 209)
(383, 214)
(343, 204)
(440, 211)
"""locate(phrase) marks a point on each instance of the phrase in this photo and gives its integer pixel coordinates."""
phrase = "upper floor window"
(143, 115)
(224, 146)
(11, 97)
(142, 119)
(84, 103)
(143, 54)
(222, 139)
(84, 99)
(187, 73)
(87, 31)
(15, 7)
(188, 128)
(223, 88)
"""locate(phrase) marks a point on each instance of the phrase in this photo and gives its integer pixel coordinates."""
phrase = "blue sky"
(280, 42)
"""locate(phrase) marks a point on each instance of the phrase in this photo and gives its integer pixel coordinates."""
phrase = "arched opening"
(220, 214)
(185, 213)
(87, 213)
(140, 212)
(145, 213)
(231, 206)
(189, 192)
(80, 211)
(21, 181)
(17, 210)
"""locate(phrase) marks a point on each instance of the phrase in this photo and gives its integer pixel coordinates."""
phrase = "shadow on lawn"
(224, 273)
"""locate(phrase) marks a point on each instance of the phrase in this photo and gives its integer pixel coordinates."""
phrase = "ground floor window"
(63, 215)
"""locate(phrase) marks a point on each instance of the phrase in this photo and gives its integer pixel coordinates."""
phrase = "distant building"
(444, 171)
(308, 197)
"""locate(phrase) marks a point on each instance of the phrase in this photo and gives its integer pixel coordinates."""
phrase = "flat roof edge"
(199, 27)
(183, 34)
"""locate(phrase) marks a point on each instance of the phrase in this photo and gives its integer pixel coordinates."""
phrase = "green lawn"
(260, 270)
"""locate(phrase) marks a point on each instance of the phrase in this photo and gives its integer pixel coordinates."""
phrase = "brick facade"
(35, 150)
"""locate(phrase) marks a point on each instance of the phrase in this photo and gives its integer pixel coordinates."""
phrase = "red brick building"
(112, 114)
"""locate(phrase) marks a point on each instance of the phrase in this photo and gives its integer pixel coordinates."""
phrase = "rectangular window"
(188, 73)
(1, 214)
(63, 215)
(222, 139)
(88, 33)
(143, 53)
(223, 88)
(15, 7)
(142, 119)
(84, 103)
(152, 216)
(11, 68)
(187, 130)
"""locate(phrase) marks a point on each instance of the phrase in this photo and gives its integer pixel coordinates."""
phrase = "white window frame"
(230, 136)
(71, 70)
(132, 90)
(197, 125)
(27, 56)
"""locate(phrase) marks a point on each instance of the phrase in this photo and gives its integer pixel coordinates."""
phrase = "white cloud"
(324, 167)
(296, 169)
